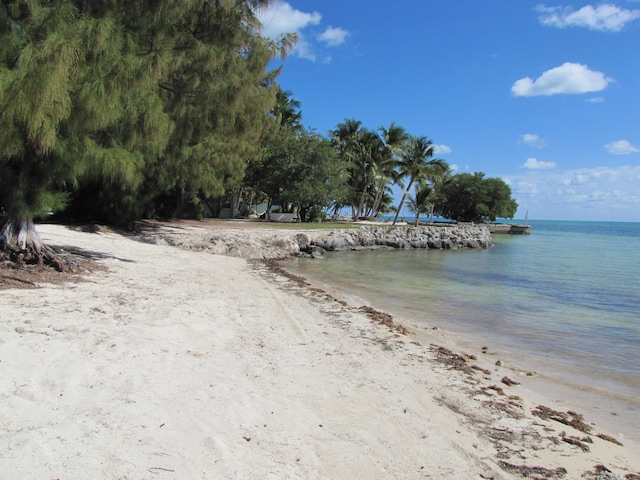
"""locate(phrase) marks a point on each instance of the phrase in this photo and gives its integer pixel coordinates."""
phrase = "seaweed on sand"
(571, 419)
(453, 360)
(532, 472)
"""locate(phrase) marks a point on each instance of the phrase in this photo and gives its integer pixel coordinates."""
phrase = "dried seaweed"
(532, 472)
(609, 438)
(453, 360)
(569, 418)
(508, 382)
(577, 442)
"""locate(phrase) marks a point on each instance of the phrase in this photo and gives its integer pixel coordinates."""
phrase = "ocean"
(563, 301)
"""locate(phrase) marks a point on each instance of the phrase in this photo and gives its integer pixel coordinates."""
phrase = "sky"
(545, 96)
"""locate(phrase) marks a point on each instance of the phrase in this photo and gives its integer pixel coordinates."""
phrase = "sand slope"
(186, 365)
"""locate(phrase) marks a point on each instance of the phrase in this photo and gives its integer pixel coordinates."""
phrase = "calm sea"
(563, 301)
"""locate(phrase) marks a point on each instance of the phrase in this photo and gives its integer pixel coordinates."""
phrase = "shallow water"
(563, 301)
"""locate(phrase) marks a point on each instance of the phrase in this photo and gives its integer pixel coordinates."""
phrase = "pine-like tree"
(165, 93)
(218, 94)
(77, 99)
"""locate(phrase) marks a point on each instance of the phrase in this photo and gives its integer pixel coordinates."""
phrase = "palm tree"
(413, 163)
(346, 138)
(437, 174)
(371, 155)
(394, 138)
(422, 200)
(286, 111)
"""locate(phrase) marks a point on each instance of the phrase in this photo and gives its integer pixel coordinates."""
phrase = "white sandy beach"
(182, 364)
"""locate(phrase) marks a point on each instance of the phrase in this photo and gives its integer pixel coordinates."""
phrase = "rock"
(303, 242)
(449, 237)
(272, 243)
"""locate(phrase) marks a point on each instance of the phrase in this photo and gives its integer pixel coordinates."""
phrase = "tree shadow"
(91, 255)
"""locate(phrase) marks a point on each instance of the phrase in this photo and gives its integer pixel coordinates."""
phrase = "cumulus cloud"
(621, 147)
(531, 140)
(535, 164)
(567, 78)
(605, 17)
(442, 149)
(333, 37)
(281, 18)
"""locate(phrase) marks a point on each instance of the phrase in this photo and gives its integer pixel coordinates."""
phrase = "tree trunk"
(404, 196)
(267, 215)
(361, 204)
(377, 201)
(20, 243)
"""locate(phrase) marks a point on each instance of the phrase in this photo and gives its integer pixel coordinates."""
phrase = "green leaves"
(470, 197)
(152, 95)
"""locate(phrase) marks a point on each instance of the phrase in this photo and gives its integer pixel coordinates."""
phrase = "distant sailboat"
(526, 216)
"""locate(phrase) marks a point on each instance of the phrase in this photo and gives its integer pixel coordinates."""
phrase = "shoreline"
(555, 389)
(255, 375)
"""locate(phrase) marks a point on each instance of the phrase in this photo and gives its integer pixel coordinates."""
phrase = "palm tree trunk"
(404, 196)
(378, 199)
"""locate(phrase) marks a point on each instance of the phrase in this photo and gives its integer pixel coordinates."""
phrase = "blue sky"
(543, 95)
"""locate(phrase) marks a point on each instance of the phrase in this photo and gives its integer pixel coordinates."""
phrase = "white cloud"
(535, 164)
(524, 187)
(600, 193)
(567, 78)
(304, 49)
(532, 140)
(596, 100)
(281, 18)
(621, 147)
(444, 149)
(605, 17)
(333, 36)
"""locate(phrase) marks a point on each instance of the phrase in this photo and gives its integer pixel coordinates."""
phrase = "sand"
(173, 363)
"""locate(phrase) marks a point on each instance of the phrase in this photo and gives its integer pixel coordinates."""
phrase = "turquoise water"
(564, 300)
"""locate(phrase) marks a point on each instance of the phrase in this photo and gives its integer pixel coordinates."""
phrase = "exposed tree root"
(21, 245)
(46, 257)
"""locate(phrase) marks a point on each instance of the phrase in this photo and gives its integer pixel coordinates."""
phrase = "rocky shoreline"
(274, 243)
(369, 237)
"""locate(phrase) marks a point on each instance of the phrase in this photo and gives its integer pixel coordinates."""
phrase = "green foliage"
(422, 200)
(370, 158)
(470, 197)
(416, 164)
(286, 111)
(143, 100)
(299, 169)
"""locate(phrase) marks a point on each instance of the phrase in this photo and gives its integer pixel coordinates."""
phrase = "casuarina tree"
(112, 89)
